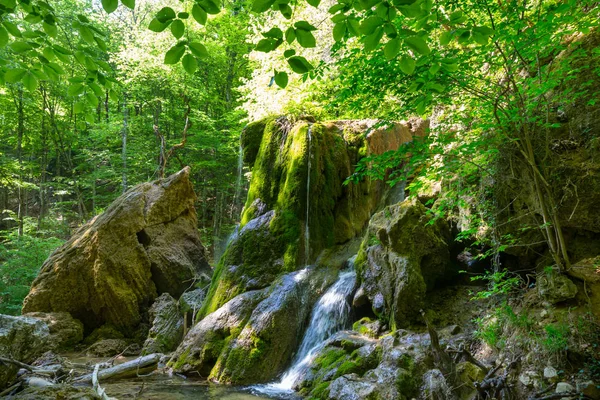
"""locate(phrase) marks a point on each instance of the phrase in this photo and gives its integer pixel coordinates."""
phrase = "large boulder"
(21, 339)
(144, 244)
(65, 331)
(555, 287)
(167, 326)
(402, 256)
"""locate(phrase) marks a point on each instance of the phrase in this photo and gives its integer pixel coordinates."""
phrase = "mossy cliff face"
(272, 239)
(402, 256)
(111, 270)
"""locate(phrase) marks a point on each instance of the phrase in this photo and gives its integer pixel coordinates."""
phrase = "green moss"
(321, 391)
(251, 138)
(362, 326)
(181, 361)
(329, 357)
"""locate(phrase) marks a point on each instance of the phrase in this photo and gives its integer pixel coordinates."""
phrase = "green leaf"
(87, 34)
(101, 43)
(12, 29)
(110, 5)
(273, 33)
(285, 10)
(62, 50)
(49, 53)
(50, 30)
(299, 64)
(210, 6)
(290, 35)
(314, 3)
(177, 28)
(260, 6)
(305, 38)
(183, 15)
(189, 64)
(14, 75)
(20, 47)
(457, 17)
(199, 14)
(281, 79)
(75, 89)
(91, 98)
(288, 53)
(445, 37)
(407, 65)
(129, 4)
(30, 82)
(417, 44)
(56, 68)
(434, 69)
(113, 95)
(305, 26)
(3, 37)
(89, 118)
(372, 41)
(78, 107)
(339, 31)
(157, 26)
(96, 88)
(392, 48)
(370, 24)
(450, 67)
(267, 45)
(335, 8)
(165, 14)
(198, 49)
(174, 54)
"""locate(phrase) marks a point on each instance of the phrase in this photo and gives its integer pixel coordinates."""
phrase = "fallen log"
(126, 370)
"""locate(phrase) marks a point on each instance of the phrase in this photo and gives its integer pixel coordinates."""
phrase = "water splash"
(306, 226)
(331, 314)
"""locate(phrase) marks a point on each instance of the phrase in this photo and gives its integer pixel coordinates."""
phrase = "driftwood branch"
(126, 370)
(28, 367)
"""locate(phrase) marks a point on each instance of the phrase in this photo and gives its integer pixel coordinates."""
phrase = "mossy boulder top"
(111, 270)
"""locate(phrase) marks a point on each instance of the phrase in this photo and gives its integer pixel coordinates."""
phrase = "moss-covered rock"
(203, 345)
(167, 326)
(402, 256)
(65, 331)
(111, 270)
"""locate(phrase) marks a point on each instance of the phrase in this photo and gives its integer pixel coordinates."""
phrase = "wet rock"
(468, 373)
(555, 287)
(530, 379)
(107, 348)
(191, 301)
(351, 387)
(403, 256)
(111, 270)
(167, 326)
(435, 386)
(65, 331)
(21, 339)
(265, 345)
(202, 346)
(365, 326)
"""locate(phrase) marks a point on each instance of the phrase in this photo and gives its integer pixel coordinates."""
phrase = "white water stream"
(330, 315)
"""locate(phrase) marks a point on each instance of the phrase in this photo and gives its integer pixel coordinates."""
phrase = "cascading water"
(306, 227)
(331, 314)
(238, 182)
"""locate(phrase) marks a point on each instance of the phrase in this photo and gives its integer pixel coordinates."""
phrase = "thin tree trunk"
(124, 142)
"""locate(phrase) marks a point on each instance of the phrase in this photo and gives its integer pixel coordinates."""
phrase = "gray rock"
(435, 387)
(555, 287)
(564, 387)
(408, 257)
(530, 379)
(22, 339)
(351, 387)
(191, 301)
(167, 326)
(550, 374)
(65, 331)
(107, 348)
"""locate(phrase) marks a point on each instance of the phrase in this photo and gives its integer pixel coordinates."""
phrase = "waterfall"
(238, 183)
(306, 227)
(331, 314)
